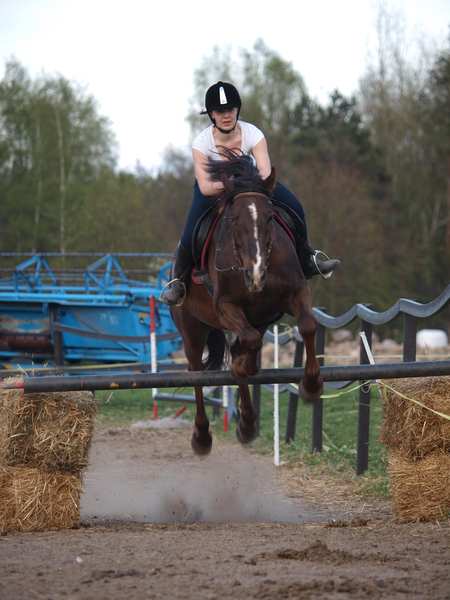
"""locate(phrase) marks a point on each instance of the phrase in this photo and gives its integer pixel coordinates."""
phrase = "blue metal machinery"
(98, 316)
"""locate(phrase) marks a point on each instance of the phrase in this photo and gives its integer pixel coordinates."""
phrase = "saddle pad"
(202, 235)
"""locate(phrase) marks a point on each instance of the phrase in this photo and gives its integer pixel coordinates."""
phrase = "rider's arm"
(207, 187)
(261, 154)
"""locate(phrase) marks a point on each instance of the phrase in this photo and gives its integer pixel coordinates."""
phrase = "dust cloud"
(234, 486)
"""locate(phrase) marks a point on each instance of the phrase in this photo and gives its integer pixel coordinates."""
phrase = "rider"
(223, 104)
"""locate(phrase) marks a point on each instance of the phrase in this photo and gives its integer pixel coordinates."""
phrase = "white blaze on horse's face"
(258, 273)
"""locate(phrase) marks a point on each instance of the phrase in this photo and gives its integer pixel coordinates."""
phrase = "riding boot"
(315, 262)
(174, 291)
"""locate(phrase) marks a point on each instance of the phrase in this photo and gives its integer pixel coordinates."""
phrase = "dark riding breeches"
(201, 204)
(281, 195)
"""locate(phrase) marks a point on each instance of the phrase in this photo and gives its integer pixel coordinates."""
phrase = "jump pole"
(153, 353)
(216, 378)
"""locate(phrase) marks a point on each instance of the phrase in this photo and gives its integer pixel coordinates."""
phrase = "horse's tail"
(216, 344)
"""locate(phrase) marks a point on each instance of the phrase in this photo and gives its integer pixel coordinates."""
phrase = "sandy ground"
(158, 522)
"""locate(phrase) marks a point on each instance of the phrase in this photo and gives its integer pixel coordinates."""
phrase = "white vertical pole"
(368, 349)
(276, 403)
(153, 353)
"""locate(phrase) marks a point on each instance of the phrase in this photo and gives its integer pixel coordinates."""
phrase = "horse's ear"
(270, 182)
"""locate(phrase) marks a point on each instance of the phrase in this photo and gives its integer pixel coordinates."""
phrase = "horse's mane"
(237, 172)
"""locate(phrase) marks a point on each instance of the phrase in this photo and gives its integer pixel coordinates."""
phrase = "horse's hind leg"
(246, 426)
(312, 384)
(194, 344)
(201, 440)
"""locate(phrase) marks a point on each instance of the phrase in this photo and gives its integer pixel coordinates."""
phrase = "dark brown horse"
(256, 277)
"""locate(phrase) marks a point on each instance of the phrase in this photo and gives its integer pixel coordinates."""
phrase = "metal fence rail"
(411, 312)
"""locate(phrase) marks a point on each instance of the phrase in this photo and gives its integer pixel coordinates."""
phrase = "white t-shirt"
(205, 143)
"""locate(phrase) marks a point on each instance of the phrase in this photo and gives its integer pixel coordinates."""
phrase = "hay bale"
(34, 500)
(51, 431)
(420, 488)
(410, 428)
(16, 424)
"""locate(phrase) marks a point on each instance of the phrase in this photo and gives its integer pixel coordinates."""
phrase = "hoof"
(245, 435)
(201, 445)
(310, 396)
(243, 367)
(238, 371)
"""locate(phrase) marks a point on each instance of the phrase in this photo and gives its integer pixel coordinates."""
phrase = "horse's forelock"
(237, 172)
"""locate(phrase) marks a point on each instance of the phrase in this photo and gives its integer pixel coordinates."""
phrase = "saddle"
(201, 240)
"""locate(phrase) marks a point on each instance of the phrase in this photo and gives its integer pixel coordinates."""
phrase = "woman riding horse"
(223, 104)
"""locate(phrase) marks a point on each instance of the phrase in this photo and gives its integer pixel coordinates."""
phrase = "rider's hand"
(218, 186)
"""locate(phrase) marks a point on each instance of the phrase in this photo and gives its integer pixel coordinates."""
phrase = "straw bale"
(16, 425)
(409, 427)
(420, 488)
(52, 431)
(35, 500)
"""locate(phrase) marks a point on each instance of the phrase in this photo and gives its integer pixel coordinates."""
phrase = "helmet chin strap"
(226, 131)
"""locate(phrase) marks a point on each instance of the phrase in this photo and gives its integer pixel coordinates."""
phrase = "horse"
(255, 277)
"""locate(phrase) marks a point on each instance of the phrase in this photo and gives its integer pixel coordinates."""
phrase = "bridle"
(236, 267)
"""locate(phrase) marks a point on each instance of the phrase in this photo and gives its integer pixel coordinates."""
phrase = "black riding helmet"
(221, 96)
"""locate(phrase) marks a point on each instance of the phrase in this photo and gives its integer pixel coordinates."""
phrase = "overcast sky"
(137, 57)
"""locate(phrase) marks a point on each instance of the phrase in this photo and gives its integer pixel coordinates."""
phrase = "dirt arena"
(158, 522)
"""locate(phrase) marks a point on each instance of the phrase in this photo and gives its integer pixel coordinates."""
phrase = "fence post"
(317, 412)
(291, 422)
(257, 398)
(362, 457)
(409, 338)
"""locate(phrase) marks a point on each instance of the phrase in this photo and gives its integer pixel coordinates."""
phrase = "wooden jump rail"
(218, 378)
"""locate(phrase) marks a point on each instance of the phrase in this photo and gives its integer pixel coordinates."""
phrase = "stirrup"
(167, 287)
(317, 254)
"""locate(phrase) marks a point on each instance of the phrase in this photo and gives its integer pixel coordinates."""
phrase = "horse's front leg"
(245, 350)
(312, 385)
(244, 353)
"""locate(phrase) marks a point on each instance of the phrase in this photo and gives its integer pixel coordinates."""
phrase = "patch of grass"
(123, 407)
(340, 434)
(371, 485)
